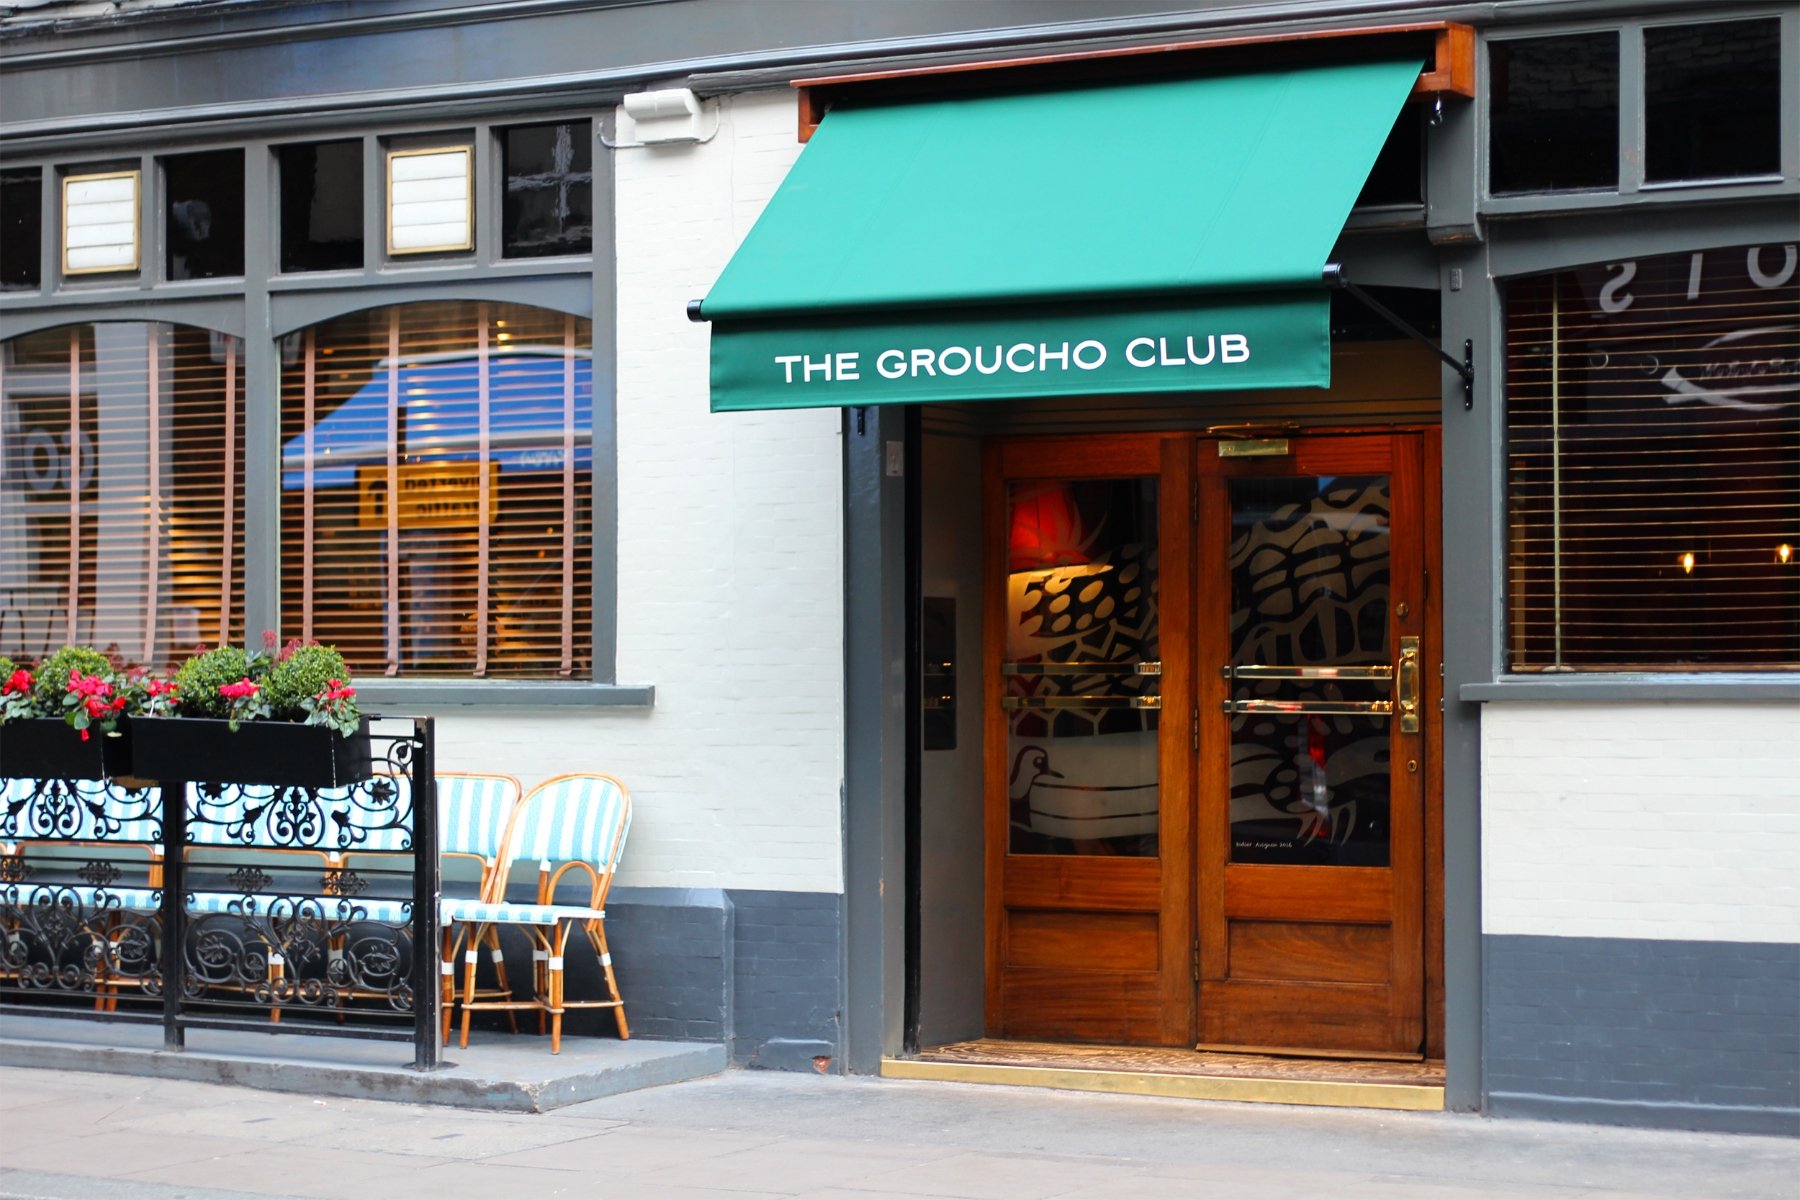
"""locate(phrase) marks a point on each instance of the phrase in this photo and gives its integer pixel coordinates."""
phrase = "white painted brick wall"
(730, 561)
(1660, 820)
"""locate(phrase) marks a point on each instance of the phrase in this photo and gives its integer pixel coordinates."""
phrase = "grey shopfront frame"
(150, 86)
(265, 305)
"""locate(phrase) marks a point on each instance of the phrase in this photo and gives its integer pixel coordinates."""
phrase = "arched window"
(121, 490)
(436, 479)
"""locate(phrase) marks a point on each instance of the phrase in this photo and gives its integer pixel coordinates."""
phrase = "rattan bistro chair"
(473, 813)
(101, 815)
(568, 823)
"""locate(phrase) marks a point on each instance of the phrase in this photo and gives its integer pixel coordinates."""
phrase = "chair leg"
(469, 957)
(596, 932)
(556, 984)
(277, 973)
(100, 972)
(493, 945)
(540, 982)
(447, 977)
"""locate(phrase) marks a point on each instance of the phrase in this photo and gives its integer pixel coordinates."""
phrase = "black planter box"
(47, 748)
(282, 753)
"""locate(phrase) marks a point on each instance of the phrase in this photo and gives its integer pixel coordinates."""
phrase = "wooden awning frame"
(1450, 74)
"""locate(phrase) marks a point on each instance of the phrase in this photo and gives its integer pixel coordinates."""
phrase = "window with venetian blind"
(121, 491)
(436, 482)
(1653, 466)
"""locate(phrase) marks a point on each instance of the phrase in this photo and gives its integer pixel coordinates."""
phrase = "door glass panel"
(1311, 670)
(1082, 676)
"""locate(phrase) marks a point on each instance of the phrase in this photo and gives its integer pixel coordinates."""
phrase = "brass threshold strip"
(1400, 1097)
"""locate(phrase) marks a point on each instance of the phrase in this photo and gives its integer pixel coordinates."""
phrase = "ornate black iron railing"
(230, 906)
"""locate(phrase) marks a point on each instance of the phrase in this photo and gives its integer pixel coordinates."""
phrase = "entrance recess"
(1211, 679)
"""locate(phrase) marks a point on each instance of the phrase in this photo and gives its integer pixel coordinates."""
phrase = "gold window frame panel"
(468, 242)
(136, 175)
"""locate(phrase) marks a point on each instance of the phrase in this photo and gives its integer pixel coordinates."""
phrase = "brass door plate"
(1254, 448)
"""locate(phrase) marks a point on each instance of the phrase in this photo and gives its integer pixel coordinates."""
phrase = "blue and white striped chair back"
(138, 820)
(247, 817)
(473, 812)
(573, 818)
(138, 817)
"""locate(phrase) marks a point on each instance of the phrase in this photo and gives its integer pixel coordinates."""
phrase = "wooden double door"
(1212, 686)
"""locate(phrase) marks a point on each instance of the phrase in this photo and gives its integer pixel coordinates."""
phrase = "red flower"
(243, 689)
(336, 691)
(19, 681)
(89, 686)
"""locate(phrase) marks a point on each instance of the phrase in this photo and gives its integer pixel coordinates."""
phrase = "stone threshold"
(1181, 1074)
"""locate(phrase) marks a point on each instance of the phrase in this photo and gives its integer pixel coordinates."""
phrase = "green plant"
(302, 674)
(15, 692)
(52, 675)
(199, 679)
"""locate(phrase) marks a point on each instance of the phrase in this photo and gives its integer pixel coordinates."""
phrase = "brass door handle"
(1333, 708)
(1406, 675)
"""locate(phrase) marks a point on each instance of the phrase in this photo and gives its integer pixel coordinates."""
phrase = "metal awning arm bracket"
(1334, 277)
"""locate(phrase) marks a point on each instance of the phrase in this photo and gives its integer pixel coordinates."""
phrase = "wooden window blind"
(1653, 465)
(436, 491)
(121, 491)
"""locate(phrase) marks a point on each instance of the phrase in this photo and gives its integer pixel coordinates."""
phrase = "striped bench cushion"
(475, 912)
(125, 899)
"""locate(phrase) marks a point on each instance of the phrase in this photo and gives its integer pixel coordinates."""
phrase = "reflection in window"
(321, 206)
(436, 483)
(205, 216)
(1309, 565)
(1653, 464)
(1712, 100)
(21, 229)
(1081, 603)
(1554, 114)
(549, 203)
(121, 517)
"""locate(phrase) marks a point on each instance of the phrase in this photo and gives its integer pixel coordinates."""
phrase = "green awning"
(1153, 237)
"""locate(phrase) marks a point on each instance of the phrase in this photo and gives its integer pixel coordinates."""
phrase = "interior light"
(1784, 554)
(505, 337)
(1687, 562)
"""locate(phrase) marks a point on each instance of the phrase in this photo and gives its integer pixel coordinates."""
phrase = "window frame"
(1730, 681)
(264, 304)
(1632, 187)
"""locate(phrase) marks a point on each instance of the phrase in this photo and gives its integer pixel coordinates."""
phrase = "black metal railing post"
(427, 889)
(174, 908)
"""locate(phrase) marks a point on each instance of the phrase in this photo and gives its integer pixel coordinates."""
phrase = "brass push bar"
(1081, 702)
(1260, 671)
(1081, 668)
(1336, 708)
(1405, 674)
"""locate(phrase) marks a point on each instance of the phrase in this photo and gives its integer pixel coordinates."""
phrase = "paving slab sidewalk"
(746, 1135)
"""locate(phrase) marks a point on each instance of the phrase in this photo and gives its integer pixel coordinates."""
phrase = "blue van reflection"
(439, 416)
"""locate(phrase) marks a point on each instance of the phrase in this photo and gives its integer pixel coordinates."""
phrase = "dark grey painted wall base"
(1715, 1118)
(1670, 1034)
(757, 970)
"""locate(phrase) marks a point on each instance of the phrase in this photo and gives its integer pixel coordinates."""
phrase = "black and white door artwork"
(1082, 667)
(1309, 564)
